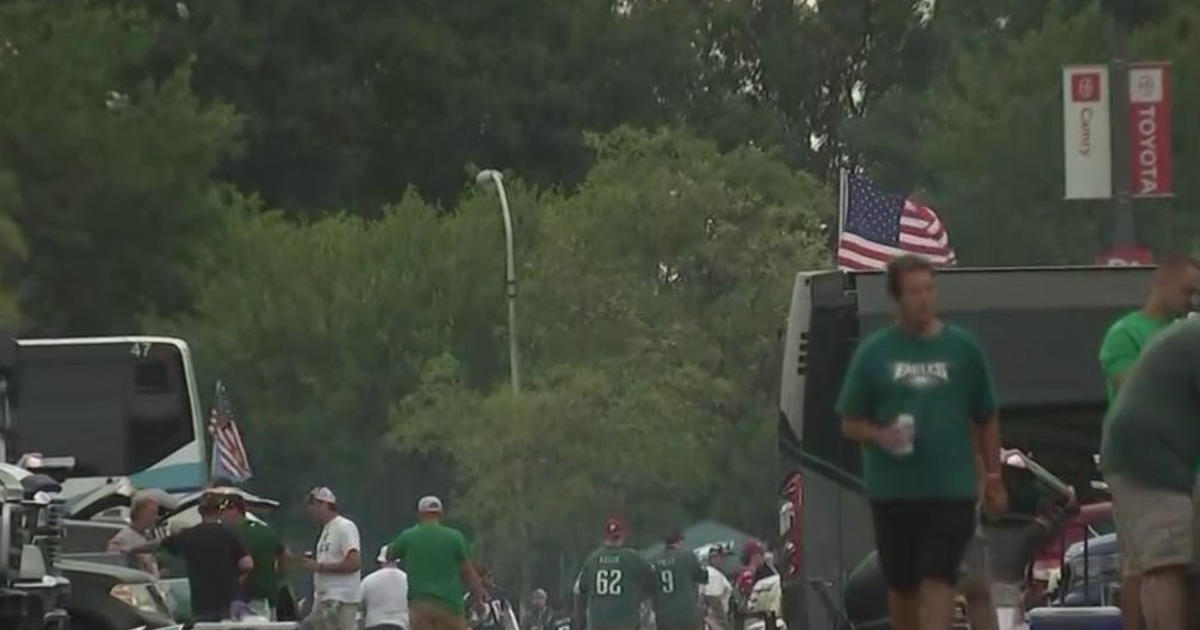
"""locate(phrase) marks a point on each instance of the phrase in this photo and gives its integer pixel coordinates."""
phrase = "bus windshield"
(121, 406)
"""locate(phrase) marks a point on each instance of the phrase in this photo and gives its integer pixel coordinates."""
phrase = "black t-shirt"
(211, 551)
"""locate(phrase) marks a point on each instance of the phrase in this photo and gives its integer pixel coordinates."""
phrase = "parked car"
(109, 596)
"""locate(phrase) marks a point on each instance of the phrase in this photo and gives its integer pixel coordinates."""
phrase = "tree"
(652, 302)
(109, 171)
(990, 150)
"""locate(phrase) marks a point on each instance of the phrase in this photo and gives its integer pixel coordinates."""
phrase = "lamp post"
(485, 177)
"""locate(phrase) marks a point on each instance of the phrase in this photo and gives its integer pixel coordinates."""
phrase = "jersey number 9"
(608, 582)
(666, 581)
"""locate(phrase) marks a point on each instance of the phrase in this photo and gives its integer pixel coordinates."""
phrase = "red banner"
(1150, 129)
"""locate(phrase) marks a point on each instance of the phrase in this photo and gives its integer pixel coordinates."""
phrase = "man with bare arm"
(918, 397)
(1175, 283)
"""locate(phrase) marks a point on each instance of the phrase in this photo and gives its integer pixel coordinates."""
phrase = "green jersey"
(943, 381)
(264, 547)
(678, 577)
(614, 582)
(433, 555)
(1152, 432)
(1123, 344)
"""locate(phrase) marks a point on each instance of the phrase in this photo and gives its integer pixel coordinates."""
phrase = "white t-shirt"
(129, 538)
(718, 586)
(385, 598)
(338, 538)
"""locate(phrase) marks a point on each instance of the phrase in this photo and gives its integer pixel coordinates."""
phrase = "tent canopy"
(706, 534)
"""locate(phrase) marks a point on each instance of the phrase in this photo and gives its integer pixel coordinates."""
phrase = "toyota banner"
(1150, 129)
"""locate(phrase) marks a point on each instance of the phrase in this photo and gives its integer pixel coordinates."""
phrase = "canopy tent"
(702, 536)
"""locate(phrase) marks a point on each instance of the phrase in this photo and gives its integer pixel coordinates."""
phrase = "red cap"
(752, 547)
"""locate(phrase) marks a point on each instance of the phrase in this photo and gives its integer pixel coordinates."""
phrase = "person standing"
(385, 595)
(537, 616)
(679, 577)
(265, 548)
(1148, 452)
(143, 515)
(918, 397)
(439, 568)
(1176, 282)
(717, 593)
(216, 561)
(614, 582)
(336, 568)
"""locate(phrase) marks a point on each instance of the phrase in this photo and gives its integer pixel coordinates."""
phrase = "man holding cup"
(918, 397)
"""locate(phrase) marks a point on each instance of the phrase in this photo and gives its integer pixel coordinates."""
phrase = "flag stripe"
(229, 458)
(878, 226)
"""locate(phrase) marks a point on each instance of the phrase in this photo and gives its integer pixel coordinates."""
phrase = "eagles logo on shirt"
(921, 375)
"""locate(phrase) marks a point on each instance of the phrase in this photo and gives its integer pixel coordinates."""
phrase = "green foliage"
(107, 173)
(373, 353)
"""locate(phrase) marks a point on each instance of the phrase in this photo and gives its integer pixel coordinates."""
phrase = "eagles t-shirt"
(944, 382)
(614, 581)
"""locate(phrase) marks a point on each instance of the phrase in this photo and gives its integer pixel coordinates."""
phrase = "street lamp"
(485, 177)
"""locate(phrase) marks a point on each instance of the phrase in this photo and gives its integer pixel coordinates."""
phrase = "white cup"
(907, 423)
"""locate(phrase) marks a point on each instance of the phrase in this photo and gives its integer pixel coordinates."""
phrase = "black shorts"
(921, 539)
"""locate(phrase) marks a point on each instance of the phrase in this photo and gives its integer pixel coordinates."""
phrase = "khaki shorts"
(332, 615)
(430, 616)
(1155, 528)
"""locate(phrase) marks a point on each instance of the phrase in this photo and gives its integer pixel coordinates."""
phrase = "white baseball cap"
(322, 494)
(429, 505)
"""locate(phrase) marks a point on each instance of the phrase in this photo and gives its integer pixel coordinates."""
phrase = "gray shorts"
(1155, 528)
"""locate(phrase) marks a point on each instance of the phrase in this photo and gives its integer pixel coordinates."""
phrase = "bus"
(1041, 328)
(121, 406)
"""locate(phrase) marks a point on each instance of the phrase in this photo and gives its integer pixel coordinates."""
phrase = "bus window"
(117, 412)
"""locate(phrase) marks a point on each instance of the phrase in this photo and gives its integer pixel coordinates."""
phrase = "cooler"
(1082, 618)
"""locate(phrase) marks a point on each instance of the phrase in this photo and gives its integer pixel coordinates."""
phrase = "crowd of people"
(424, 579)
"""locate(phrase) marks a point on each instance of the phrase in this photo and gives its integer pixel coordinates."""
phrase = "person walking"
(265, 548)
(385, 595)
(1148, 452)
(439, 570)
(679, 577)
(336, 567)
(614, 582)
(143, 515)
(216, 561)
(1176, 283)
(918, 397)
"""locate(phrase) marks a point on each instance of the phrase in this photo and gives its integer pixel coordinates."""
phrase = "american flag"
(877, 226)
(229, 459)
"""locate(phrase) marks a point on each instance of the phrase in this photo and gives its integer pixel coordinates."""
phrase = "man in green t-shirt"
(613, 583)
(918, 397)
(439, 570)
(1148, 453)
(1175, 283)
(678, 574)
(264, 546)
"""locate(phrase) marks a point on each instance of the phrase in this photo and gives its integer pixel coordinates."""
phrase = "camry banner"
(1087, 147)
(1150, 129)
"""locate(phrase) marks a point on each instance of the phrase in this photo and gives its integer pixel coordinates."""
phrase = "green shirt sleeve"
(460, 548)
(699, 573)
(983, 395)
(398, 547)
(858, 396)
(1118, 352)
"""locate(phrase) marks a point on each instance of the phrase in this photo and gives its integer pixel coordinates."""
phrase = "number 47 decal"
(140, 349)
